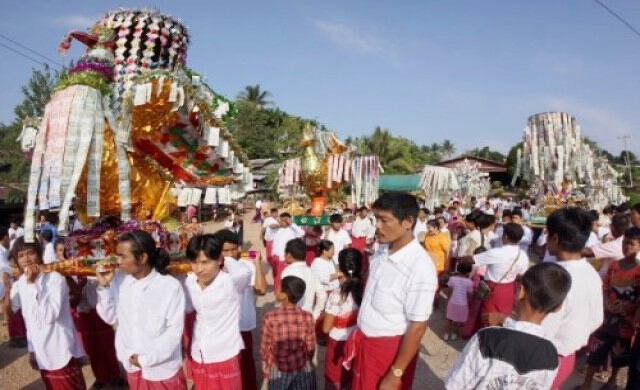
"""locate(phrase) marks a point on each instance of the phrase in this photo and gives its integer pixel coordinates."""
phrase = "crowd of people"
(363, 288)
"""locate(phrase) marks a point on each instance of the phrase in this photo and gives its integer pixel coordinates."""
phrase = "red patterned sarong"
(98, 339)
(359, 243)
(500, 300)
(222, 375)
(176, 382)
(67, 378)
(247, 364)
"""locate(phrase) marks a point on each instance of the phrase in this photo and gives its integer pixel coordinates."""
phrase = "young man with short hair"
(493, 358)
(397, 301)
(610, 251)
(362, 230)
(337, 235)
(527, 236)
(286, 232)
(315, 295)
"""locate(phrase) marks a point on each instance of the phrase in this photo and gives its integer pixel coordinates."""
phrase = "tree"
(38, 92)
(447, 148)
(512, 160)
(487, 153)
(253, 94)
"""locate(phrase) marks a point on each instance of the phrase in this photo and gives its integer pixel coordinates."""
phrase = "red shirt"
(622, 296)
(288, 339)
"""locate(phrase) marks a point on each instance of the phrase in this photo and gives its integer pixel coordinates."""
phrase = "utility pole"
(624, 139)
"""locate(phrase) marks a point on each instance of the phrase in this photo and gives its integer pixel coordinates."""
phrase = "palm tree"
(253, 94)
(447, 148)
(394, 153)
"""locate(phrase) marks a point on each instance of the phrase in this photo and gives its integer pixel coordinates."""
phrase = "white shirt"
(323, 269)
(592, 240)
(608, 252)
(400, 288)
(339, 308)
(340, 239)
(472, 370)
(258, 204)
(248, 319)
(283, 236)
(269, 233)
(420, 227)
(313, 291)
(4, 261)
(216, 335)
(51, 335)
(14, 234)
(150, 318)
(49, 255)
(499, 260)
(363, 227)
(527, 238)
(582, 311)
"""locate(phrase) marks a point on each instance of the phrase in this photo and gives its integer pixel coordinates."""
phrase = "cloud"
(598, 123)
(76, 21)
(349, 38)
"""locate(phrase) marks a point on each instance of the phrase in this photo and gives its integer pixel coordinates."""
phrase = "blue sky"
(469, 71)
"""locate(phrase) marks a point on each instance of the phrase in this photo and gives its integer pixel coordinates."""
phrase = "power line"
(23, 55)
(615, 15)
(30, 50)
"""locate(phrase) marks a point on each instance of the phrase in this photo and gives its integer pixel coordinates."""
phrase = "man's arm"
(260, 285)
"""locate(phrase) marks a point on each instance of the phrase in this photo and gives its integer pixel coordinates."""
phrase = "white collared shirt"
(474, 370)
(340, 240)
(363, 227)
(282, 236)
(269, 233)
(420, 227)
(49, 255)
(323, 269)
(582, 311)
(400, 288)
(313, 293)
(14, 234)
(51, 335)
(150, 316)
(527, 238)
(216, 335)
(499, 261)
(248, 318)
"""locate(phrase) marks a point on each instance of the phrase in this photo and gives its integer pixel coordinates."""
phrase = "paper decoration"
(210, 196)
(184, 198)
(196, 196)
(224, 196)
(224, 149)
(213, 138)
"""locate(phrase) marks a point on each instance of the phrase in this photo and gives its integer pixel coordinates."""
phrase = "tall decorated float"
(130, 135)
(441, 184)
(563, 169)
(318, 176)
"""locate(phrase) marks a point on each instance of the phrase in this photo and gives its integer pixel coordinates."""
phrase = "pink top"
(460, 288)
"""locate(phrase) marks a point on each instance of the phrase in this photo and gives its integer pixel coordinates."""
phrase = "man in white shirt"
(4, 252)
(610, 251)
(362, 230)
(492, 359)
(421, 225)
(286, 232)
(397, 302)
(504, 265)
(256, 286)
(336, 234)
(269, 228)
(15, 231)
(49, 256)
(51, 335)
(315, 296)
(527, 236)
(258, 216)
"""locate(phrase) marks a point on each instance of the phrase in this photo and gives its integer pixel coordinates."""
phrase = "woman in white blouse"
(148, 307)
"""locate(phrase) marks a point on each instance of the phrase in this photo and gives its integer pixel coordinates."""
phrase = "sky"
(468, 71)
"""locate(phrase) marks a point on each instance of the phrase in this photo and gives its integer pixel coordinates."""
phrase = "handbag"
(483, 291)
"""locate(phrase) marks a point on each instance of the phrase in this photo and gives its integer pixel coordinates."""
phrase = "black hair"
(483, 220)
(363, 208)
(3, 232)
(572, 225)
(350, 264)
(516, 212)
(425, 210)
(227, 236)
(506, 213)
(594, 215)
(513, 232)
(464, 268)
(546, 286)
(432, 223)
(620, 223)
(437, 210)
(274, 209)
(633, 233)
(20, 245)
(623, 207)
(441, 219)
(325, 245)
(209, 244)
(285, 215)
(400, 204)
(636, 207)
(46, 235)
(59, 241)
(296, 248)
(293, 287)
(142, 242)
(335, 218)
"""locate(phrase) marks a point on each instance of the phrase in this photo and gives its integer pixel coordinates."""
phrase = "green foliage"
(37, 92)
(486, 152)
(512, 160)
(256, 96)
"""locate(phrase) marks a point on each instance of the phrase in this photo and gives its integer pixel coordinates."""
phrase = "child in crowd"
(622, 296)
(495, 357)
(314, 297)
(341, 316)
(324, 269)
(341, 238)
(459, 297)
(288, 340)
